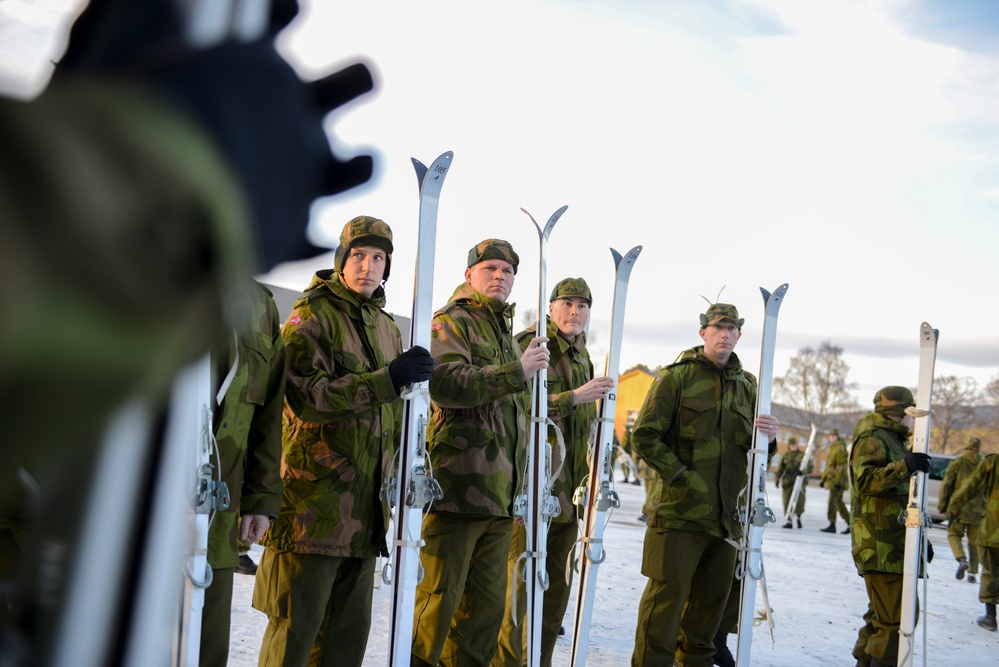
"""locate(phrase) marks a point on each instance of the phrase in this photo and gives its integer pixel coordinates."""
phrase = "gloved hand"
(822, 484)
(412, 366)
(917, 462)
(929, 552)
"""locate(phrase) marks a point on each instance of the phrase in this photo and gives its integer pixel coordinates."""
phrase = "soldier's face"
(719, 341)
(492, 277)
(570, 314)
(364, 268)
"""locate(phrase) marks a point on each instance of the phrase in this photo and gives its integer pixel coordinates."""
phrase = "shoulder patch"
(436, 326)
(295, 319)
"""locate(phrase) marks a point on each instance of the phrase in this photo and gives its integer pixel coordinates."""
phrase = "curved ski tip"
(530, 216)
(421, 171)
(617, 257)
(555, 216)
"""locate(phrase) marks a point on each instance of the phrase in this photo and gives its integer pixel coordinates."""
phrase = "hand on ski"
(253, 526)
(917, 462)
(596, 388)
(412, 366)
(535, 357)
(767, 425)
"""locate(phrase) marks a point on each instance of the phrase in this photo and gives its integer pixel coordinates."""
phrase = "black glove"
(822, 484)
(412, 366)
(266, 121)
(917, 462)
(929, 552)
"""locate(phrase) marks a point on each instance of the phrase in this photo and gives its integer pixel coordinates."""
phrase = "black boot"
(877, 663)
(989, 620)
(787, 525)
(722, 657)
(962, 567)
(831, 528)
(246, 565)
(798, 520)
(845, 531)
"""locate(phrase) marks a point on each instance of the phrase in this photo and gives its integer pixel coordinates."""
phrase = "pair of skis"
(412, 488)
(799, 480)
(914, 515)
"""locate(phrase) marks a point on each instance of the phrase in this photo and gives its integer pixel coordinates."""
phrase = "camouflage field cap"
(792, 440)
(893, 400)
(721, 311)
(493, 249)
(834, 432)
(365, 230)
(973, 444)
(576, 287)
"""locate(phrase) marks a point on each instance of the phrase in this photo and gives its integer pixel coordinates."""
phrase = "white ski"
(799, 481)
(756, 514)
(412, 487)
(914, 516)
(537, 506)
(597, 497)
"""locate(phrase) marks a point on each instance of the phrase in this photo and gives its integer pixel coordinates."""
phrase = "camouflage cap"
(893, 400)
(365, 230)
(493, 249)
(834, 432)
(973, 444)
(792, 440)
(576, 287)
(721, 311)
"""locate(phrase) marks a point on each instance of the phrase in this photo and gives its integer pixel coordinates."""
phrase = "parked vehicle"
(938, 466)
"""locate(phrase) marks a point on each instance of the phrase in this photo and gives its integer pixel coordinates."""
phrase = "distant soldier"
(480, 411)
(880, 468)
(984, 482)
(967, 521)
(788, 470)
(836, 479)
(342, 421)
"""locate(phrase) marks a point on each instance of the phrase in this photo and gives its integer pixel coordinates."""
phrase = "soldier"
(572, 395)
(971, 514)
(984, 482)
(788, 470)
(248, 433)
(836, 479)
(692, 514)
(880, 468)
(342, 421)
(481, 404)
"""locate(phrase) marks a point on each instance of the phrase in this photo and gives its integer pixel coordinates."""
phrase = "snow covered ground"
(816, 595)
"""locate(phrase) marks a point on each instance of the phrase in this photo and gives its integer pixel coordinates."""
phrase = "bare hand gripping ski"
(412, 488)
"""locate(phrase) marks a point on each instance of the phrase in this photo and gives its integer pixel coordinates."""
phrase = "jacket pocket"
(696, 423)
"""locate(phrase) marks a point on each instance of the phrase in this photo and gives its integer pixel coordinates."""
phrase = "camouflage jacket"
(342, 420)
(480, 405)
(695, 429)
(568, 368)
(880, 490)
(958, 471)
(248, 426)
(790, 467)
(983, 482)
(836, 475)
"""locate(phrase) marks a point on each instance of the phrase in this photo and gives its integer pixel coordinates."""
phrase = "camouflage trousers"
(878, 638)
(955, 537)
(988, 590)
(510, 648)
(215, 618)
(460, 601)
(690, 577)
(799, 506)
(318, 608)
(837, 505)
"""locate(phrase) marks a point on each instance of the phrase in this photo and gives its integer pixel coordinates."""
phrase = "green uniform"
(480, 408)
(984, 481)
(788, 470)
(248, 433)
(965, 522)
(880, 487)
(341, 426)
(836, 478)
(694, 429)
(569, 367)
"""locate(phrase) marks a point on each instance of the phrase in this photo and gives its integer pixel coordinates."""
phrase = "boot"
(246, 565)
(798, 521)
(722, 657)
(877, 663)
(962, 567)
(831, 528)
(862, 663)
(989, 620)
(787, 525)
(972, 579)
(845, 531)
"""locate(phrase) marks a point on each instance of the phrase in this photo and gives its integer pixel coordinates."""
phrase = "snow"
(816, 595)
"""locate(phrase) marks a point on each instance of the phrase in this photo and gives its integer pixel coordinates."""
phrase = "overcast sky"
(849, 149)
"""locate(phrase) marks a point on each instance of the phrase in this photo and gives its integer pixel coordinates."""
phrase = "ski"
(914, 516)
(799, 481)
(756, 514)
(597, 496)
(537, 505)
(411, 488)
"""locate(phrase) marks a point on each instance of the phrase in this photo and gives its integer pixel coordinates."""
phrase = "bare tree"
(816, 382)
(990, 396)
(529, 317)
(953, 398)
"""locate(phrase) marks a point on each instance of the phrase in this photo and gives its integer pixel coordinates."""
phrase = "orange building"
(632, 386)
